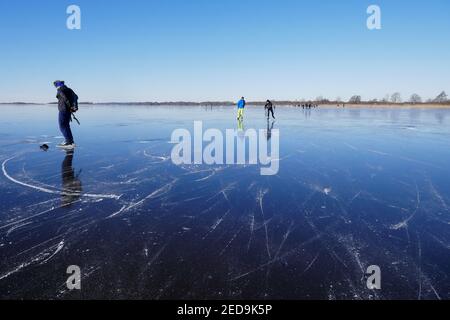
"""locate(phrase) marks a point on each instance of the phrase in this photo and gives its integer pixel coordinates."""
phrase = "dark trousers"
(268, 113)
(64, 126)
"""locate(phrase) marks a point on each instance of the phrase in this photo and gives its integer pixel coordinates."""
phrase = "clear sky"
(196, 50)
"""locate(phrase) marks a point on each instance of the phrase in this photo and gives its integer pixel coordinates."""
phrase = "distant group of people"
(268, 108)
(309, 106)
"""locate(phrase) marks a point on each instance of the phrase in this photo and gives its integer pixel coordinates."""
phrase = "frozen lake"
(355, 188)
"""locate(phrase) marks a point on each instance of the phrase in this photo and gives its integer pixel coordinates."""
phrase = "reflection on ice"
(71, 184)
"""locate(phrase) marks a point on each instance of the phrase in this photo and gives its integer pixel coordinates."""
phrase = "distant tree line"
(397, 98)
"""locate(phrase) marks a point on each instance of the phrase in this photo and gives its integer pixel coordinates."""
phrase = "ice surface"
(356, 187)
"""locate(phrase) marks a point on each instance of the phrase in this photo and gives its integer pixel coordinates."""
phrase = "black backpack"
(73, 100)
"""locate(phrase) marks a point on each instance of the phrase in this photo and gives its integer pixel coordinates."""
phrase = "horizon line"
(282, 102)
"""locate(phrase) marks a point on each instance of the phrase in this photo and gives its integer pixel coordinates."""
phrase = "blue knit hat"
(58, 83)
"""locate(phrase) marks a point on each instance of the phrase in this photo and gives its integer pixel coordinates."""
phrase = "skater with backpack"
(67, 106)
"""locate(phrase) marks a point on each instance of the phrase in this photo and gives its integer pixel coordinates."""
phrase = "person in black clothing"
(67, 103)
(269, 107)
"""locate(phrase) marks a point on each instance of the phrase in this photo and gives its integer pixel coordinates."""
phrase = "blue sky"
(168, 50)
